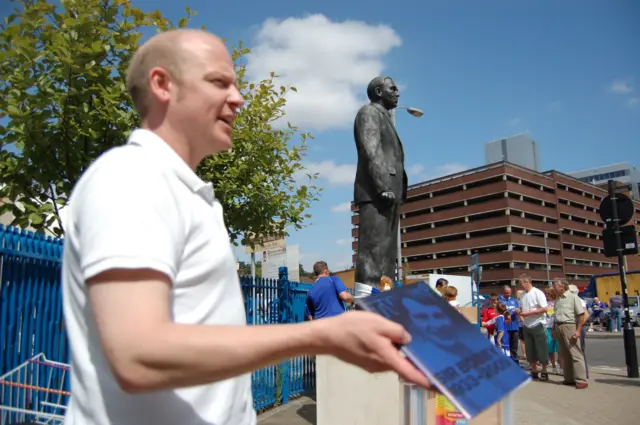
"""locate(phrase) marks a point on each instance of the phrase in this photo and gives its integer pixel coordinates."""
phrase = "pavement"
(611, 398)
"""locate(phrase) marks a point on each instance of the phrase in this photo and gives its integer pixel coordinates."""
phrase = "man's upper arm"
(126, 218)
(309, 304)
(542, 300)
(577, 306)
(339, 284)
(129, 239)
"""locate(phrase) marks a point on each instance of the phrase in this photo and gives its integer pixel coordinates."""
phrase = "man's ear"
(378, 91)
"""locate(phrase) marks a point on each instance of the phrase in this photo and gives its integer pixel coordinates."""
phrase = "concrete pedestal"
(347, 395)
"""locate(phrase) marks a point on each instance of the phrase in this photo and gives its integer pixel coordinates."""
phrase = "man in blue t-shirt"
(328, 294)
(512, 328)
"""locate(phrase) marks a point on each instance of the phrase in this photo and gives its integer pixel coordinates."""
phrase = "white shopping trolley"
(36, 392)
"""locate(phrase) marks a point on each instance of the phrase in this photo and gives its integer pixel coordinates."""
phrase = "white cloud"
(334, 174)
(440, 171)
(451, 168)
(415, 170)
(340, 208)
(620, 87)
(633, 101)
(343, 241)
(514, 122)
(330, 64)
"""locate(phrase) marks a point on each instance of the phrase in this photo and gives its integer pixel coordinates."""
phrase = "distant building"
(520, 150)
(503, 212)
(622, 172)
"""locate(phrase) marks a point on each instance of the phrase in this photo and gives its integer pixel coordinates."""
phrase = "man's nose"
(235, 98)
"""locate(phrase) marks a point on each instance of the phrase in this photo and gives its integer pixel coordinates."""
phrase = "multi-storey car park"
(503, 213)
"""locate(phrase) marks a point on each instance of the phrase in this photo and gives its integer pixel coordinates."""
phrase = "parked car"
(634, 312)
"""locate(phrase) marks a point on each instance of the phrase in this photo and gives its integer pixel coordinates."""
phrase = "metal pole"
(546, 258)
(399, 251)
(253, 288)
(630, 351)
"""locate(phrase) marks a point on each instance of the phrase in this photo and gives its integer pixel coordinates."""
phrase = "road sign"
(266, 242)
(628, 241)
(625, 209)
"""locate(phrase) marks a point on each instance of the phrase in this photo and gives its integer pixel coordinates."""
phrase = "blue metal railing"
(31, 319)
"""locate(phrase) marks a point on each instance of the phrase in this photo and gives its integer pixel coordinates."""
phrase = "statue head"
(384, 91)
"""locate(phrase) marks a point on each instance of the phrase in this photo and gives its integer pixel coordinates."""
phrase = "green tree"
(245, 269)
(62, 89)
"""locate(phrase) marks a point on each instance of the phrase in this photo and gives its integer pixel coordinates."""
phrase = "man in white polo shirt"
(533, 311)
(152, 301)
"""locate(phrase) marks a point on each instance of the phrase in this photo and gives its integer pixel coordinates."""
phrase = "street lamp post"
(416, 113)
(546, 252)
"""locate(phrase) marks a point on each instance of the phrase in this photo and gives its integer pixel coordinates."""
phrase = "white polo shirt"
(141, 206)
(533, 300)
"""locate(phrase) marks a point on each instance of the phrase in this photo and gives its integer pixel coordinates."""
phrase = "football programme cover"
(452, 352)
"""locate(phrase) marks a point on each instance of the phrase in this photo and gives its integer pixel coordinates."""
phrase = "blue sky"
(568, 73)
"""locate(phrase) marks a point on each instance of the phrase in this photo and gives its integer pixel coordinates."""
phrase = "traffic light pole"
(630, 350)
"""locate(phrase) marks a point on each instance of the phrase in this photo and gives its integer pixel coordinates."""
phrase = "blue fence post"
(285, 317)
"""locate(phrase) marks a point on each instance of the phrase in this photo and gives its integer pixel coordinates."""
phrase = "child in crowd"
(551, 318)
(489, 317)
(386, 283)
(450, 294)
(502, 320)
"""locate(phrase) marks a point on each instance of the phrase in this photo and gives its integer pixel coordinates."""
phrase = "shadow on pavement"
(619, 382)
(308, 413)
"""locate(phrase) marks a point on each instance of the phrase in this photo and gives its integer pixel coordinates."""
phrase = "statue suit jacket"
(380, 156)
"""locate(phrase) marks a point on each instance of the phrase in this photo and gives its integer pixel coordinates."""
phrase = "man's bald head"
(168, 50)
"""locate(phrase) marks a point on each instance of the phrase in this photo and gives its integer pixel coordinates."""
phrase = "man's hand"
(388, 197)
(369, 341)
(576, 335)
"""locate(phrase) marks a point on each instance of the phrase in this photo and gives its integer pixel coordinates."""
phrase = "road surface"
(607, 353)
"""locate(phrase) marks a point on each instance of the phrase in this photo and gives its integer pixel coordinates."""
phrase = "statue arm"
(368, 128)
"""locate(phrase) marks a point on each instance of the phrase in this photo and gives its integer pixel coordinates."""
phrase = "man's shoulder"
(121, 161)
(320, 285)
(369, 111)
(336, 279)
(538, 292)
(325, 280)
(125, 167)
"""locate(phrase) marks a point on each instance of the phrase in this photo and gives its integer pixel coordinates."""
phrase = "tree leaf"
(35, 219)
(63, 91)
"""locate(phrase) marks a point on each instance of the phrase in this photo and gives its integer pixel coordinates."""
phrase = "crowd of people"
(548, 327)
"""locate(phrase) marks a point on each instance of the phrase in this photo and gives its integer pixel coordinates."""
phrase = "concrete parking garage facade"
(502, 212)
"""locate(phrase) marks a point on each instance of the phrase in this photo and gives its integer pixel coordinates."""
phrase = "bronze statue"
(381, 184)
